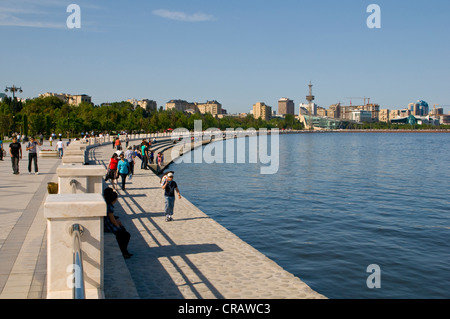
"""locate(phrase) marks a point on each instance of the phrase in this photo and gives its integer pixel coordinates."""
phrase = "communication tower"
(310, 98)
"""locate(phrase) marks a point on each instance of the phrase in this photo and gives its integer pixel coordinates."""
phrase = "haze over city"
(235, 52)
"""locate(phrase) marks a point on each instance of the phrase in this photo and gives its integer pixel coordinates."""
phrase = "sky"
(235, 52)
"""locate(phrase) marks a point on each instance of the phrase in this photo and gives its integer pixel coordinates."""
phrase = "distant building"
(2, 96)
(212, 107)
(394, 114)
(261, 110)
(384, 115)
(180, 105)
(303, 110)
(437, 111)
(286, 106)
(444, 119)
(307, 106)
(148, 105)
(362, 116)
(70, 98)
(334, 111)
(321, 112)
(420, 108)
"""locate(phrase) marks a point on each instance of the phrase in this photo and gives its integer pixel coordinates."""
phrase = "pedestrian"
(130, 156)
(169, 187)
(32, 155)
(113, 225)
(123, 169)
(144, 154)
(15, 151)
(118, 144)
(160, 159)
(60, 148)
(60, 136)
(152, 157)
(41, 138)
(112, 170)
(127, 140)
(51, 140)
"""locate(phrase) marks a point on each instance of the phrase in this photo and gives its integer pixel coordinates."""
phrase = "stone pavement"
(23, 257)
(192, 257)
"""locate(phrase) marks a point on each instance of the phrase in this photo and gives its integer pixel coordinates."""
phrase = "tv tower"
(310, 98)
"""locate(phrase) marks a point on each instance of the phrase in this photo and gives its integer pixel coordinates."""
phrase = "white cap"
(170, 175)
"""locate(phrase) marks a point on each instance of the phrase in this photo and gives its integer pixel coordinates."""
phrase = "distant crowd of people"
(121, 165)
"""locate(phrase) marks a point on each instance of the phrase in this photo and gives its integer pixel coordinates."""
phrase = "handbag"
(107, 175)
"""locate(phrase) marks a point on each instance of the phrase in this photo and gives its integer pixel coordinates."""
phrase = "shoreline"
(365, 131)
(194, 256)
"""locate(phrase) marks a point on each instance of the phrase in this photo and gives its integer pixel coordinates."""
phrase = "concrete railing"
(62, 211)
(79, 202)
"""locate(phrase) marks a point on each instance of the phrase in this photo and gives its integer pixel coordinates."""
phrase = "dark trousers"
(32, 157)
(15, 164)
(131, 167)
(123, 238)
(124, 180)
(144, 162)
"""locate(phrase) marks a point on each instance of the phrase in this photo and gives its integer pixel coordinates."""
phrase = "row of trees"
(48, 115)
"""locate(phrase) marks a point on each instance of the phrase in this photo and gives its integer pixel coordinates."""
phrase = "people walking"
(123, 168)
(113, 225)
(169, 187)
(118, 144)
(60, 147)
(152, 157)
(144, 154)
(15, 151)
(130, 156)
(112, 170)
(32, 155)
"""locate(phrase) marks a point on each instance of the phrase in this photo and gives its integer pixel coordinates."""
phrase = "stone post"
(62, 211)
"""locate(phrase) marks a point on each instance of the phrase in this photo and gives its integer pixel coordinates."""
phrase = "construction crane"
(358, 98)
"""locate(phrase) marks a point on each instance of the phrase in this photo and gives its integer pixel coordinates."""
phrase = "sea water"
(339, 203)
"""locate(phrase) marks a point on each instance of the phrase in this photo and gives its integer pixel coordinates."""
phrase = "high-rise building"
(261, 110)
(286, 106)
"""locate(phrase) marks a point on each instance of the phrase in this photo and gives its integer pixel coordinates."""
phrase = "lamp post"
(13, 89)
(69, 99)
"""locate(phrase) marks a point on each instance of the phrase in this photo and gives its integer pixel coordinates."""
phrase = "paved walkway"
(23, 256)
(192, 257)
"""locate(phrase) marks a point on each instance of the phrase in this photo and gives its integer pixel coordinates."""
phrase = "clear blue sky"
(237, 52)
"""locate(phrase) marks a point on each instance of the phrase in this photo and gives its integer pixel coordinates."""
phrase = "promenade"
(192, 257)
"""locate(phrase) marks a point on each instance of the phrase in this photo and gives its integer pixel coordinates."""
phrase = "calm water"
(339, 203)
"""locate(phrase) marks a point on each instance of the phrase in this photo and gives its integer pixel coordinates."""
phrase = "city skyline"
(236, 53)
